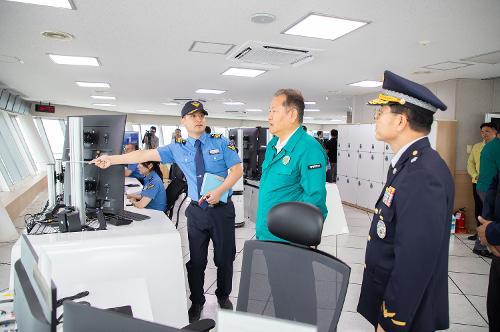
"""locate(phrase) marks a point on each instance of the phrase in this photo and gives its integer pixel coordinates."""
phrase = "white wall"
(496, 95)
(446, 91)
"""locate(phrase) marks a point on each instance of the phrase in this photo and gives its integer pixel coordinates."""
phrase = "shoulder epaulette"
(216, 135)
(180, 140)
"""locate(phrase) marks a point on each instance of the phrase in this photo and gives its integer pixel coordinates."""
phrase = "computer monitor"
(83, 318)
(102, 134)
(131, 137)
(35, 298)
(254, 149)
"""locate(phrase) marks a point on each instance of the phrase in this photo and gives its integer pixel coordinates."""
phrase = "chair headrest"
(297, 222)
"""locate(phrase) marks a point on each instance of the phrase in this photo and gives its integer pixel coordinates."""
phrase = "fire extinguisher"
(460, 221)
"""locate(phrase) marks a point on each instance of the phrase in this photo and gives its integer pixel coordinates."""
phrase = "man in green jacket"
(489, 166)
(294, 167)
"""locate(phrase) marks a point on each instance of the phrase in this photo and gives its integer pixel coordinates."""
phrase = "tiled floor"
(468, 273)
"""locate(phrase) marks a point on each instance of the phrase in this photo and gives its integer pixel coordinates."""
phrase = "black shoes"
(472, 237)
(225, 303)
(484, 253)
(194, 312)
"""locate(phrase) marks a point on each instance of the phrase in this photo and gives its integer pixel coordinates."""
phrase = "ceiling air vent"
(271, 55)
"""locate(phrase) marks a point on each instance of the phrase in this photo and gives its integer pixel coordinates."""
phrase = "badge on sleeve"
(381, 229)
(286, 160)
(388, 196)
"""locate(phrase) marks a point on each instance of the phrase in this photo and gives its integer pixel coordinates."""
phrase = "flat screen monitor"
(35, 299)
(102, 134)
(131, 137)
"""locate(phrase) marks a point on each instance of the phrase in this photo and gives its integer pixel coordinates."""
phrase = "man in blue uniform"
(405, 281)
(201, 153)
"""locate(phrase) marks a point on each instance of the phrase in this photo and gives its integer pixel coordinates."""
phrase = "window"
(28, 154)
(55, 134)
(12, 165)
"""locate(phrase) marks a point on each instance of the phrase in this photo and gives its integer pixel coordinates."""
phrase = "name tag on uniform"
(388, 196)
(214, 151)
(314, 166)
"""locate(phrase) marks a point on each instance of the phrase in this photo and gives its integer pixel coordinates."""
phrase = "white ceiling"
(143, 47)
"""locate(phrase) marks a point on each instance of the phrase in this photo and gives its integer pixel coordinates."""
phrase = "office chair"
(83, 318)
(175, 189)
(293, 280)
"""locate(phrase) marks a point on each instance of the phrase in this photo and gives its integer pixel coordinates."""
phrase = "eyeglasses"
(378, 112)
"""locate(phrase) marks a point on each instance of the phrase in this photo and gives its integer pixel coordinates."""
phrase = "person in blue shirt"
(153, 195)
(131, 169)
(201, 153)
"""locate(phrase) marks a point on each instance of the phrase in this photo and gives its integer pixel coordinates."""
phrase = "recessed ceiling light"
(312, 110)
(103, 97)
(263, 18)
(105, 105)
(74, 60)
(93, 85)
(243, 72)
(144, 111)
(253, 110)
(58, 35)
(310, 102)
(52, 3)
(210, 91)
(233, 103)
(171, 103)
(367, 84)
(324, 27)
(448, 65)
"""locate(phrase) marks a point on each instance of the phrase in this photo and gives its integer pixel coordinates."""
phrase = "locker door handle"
(348, 155)
(360, 156)
(371, 186)
(386, 158)
(387, 147)
(372, 157)
(359, 183)
(373, 146)
(349, 145)
(347, 180)
(360, 146)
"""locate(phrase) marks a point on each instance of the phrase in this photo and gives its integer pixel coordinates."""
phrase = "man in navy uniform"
(405, 281)
(201, 153)
(489, 235)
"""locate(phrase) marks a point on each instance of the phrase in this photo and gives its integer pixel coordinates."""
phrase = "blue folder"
(212, 181)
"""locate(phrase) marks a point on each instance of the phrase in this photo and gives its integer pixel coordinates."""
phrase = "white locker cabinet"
(343, 162)
(365, 137)
(368, 193)
(370, 166)
(343, 137)
(354, 139)
(347, 188)
(352, 164)
(363, 165)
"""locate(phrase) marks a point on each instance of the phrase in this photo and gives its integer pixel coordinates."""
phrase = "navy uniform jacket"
(405, 282)
(491, 211)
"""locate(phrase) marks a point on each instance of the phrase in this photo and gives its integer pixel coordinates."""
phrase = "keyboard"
(132, 215)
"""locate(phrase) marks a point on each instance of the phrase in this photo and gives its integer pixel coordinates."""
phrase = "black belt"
(195, 203)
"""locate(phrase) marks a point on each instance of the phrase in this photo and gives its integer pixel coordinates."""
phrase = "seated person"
(131, 169)
(153, 195)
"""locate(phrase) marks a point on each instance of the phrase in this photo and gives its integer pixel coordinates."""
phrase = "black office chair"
(84, 318)
(176, 187)
(292, 280)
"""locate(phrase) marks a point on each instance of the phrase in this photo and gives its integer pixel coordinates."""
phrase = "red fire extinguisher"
(460, 221)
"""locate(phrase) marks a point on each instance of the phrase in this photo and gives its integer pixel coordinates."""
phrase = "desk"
(138, 264)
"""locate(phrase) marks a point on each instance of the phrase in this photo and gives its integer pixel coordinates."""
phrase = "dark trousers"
(216, 223)
(482, 196)
(493, 301)
(478, 204)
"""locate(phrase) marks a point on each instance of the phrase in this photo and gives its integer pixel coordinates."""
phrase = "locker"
(354, 139)
(351, 191)
(386, 164)
(343, 137)
(368, 193)
(352, 164)
(363, 165)
(364, 137)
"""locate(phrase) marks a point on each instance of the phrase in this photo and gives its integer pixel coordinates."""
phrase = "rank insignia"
(381, 229)
(388, 196)
(286, 160)
(149, 186)
(232, 147)
(414, 153)
(180, 140)
(216, 135)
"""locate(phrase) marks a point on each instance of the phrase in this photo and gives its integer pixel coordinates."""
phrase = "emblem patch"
(286, 160)
(381, 229)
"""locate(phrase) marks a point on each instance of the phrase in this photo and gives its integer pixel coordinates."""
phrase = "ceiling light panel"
(93, 85)
(172, 103)
(253, 110)
(448, 65)
(74, 60)
(210, 91)
(103, 97)
(243, 72)
(52, 3)
(310, 103)
(212, 48)
(367, 84)
(104, 104)
(312, 110)
(144, 111)
(324, 27)
(233, 103)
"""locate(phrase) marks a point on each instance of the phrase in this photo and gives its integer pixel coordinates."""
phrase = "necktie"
(200, 166)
